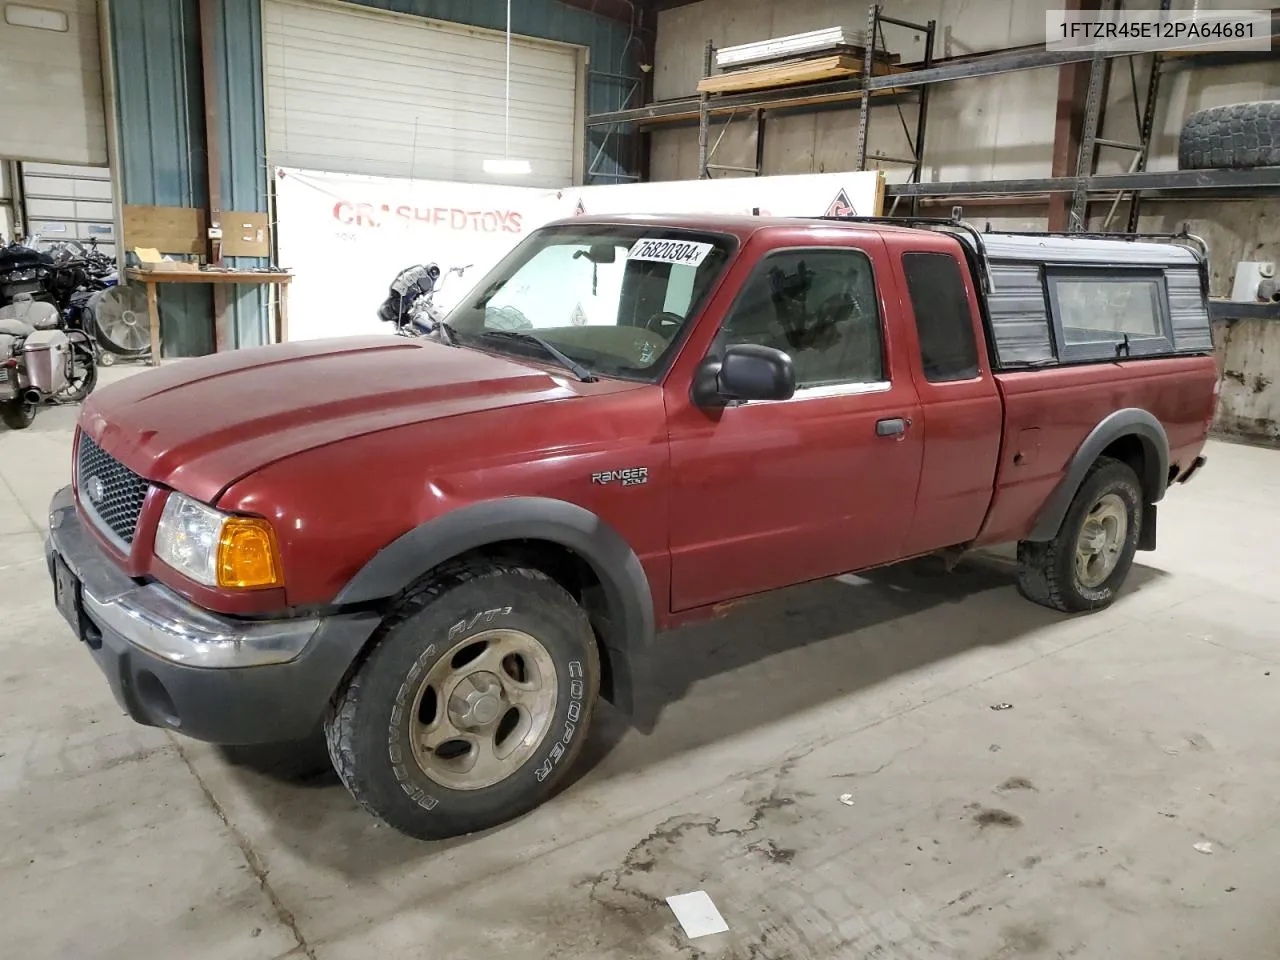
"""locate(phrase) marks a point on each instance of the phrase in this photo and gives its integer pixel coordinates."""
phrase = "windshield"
(615, 299)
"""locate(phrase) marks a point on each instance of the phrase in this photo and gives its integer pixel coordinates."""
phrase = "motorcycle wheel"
(17, 414)
(82, 374)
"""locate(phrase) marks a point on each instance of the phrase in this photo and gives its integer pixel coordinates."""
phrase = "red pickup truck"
(442, 549)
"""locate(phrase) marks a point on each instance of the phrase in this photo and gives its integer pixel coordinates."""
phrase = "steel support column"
(222, 334)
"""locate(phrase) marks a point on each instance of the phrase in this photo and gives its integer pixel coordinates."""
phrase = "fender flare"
(625, 584)
(1131, 421)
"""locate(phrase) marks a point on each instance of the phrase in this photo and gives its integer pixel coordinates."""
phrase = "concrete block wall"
(992, 128)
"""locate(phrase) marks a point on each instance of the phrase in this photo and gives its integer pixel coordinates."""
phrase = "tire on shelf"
(1237, 136)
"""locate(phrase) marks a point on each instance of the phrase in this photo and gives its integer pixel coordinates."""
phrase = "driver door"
(771, 493)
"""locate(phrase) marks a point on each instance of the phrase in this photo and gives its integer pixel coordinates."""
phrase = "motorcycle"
(44, 358)
(410, 303)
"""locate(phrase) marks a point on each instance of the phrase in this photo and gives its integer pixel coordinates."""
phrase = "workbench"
(277, 278)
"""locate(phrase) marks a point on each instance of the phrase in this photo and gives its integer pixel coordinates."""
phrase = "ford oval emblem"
(95, 489)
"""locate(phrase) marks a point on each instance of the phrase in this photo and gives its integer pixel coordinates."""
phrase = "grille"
(119, 501)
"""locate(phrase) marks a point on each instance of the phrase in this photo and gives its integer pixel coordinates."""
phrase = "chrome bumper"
(154, 618)
(173, 664)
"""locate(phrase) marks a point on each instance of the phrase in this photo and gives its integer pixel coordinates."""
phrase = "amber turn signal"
(247, 554)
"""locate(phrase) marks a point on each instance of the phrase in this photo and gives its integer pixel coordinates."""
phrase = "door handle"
(894, 427)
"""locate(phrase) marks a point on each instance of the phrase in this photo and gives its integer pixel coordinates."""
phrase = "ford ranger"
(443, 549)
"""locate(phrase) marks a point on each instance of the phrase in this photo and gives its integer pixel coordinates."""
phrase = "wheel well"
(1132, 450)
(577, 577)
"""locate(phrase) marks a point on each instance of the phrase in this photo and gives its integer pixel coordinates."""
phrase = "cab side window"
(818, 306)
(945, 326)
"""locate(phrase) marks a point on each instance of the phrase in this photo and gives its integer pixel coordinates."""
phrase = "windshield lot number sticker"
(687, 252)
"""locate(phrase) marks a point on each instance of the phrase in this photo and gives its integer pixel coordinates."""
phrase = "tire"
(1049, 573)
(393, 701)
(1236, 136)
(18, 414)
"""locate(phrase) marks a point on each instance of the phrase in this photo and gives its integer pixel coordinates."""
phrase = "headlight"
(216, 549)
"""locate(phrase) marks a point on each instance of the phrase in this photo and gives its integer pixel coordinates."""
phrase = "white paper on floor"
(697, 914)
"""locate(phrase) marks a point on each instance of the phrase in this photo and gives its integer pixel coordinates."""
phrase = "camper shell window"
(1101, 314)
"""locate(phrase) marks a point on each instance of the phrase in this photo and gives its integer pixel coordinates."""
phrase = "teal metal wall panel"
(157, 66)
(156, 53)
(160, 110)
(243, 149)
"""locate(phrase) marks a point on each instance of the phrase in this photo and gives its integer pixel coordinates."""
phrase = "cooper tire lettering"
(484, 616)
(577, 691)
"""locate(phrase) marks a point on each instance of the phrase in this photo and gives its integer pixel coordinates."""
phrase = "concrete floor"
(1063, 827)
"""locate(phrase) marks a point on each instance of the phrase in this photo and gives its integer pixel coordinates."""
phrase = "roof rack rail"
(1183, 236)
(954, 222)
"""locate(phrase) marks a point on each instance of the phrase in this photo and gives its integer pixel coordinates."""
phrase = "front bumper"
(173, 664)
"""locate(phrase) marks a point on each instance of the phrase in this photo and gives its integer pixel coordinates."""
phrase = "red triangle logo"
(841, 207)
(580, 210)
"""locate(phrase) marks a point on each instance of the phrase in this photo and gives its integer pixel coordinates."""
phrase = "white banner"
(345, 237)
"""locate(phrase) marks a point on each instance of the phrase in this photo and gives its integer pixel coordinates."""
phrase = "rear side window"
(945, 326)
(1099, 314)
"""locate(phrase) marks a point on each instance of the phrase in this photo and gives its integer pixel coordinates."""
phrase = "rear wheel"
(17, 414)
(82, 373)
(1085, 565)
(472, 706)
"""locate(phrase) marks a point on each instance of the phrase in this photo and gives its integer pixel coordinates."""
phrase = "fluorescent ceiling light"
(506, 167)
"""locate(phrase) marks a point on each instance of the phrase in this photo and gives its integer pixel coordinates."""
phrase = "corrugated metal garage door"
(69, 203)
(351, 90)
(51, 105)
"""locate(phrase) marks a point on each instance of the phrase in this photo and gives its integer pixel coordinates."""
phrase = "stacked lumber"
(793, 73)
(829, 54)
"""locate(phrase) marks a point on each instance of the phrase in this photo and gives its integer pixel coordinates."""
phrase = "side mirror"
(746, 371)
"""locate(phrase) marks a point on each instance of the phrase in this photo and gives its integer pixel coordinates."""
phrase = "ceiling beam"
(620, 10)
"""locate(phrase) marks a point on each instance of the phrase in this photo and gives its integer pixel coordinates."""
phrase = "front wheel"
(472, 706)
(1085, 565)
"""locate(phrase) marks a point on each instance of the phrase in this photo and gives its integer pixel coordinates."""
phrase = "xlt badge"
(627, 476)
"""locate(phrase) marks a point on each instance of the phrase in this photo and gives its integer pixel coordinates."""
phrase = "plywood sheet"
(813, 70)
(168, 229)
(246, 234)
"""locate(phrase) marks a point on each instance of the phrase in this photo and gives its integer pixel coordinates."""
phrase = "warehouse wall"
(160, 115)
(980, 129)
(994, 128)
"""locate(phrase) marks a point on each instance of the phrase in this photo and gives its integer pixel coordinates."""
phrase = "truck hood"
(200, 425)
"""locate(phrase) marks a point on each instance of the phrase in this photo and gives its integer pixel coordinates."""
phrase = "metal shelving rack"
(875, 31)
(914, 84)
